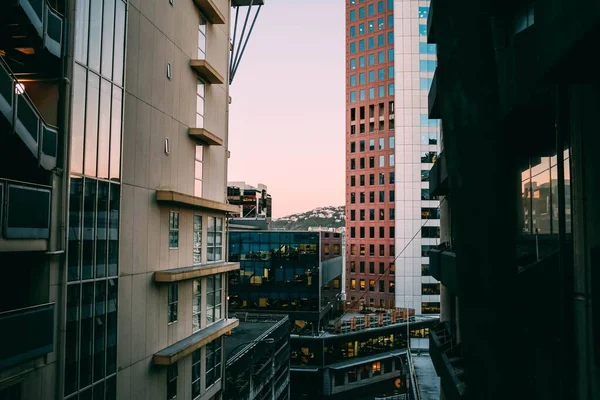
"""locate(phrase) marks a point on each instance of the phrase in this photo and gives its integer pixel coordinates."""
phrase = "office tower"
(520, 253)
(370, 155)
(113, 196)
(254, 202)
(417, 146)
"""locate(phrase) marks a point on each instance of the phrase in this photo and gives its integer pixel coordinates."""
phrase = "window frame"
(174, 217)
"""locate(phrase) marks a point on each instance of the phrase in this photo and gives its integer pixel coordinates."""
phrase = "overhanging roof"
(210, 10)
(205, 136)
(194, 271)
(192, 343)
(207, 72)
(186, 200)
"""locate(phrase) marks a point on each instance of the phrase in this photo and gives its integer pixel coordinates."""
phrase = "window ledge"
(205, 137)
(210, 11)
(207, 72)
(172, 197)
(194, 271)
(179, 350)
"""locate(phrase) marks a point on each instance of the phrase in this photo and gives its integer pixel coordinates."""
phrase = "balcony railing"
(40, 137)
(47, 22)
(442, 266)
(448, 361)
(24, 210)
(27, 333)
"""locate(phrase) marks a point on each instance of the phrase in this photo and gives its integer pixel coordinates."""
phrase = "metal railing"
(40, 137)
(47, 22)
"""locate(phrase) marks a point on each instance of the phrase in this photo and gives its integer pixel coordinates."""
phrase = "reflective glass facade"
(94, 200)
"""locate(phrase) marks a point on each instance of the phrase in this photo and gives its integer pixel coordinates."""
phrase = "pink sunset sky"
(288, 105)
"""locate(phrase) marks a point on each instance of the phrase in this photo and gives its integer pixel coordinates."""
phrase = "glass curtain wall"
(94, 199)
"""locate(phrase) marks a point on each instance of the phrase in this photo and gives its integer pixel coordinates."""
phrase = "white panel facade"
(415, 136)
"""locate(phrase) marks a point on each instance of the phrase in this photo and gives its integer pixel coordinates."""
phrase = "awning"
(194, 271)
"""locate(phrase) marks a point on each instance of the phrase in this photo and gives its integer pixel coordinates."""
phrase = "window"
(352, 80)
(371, 267)
(382, 161)
(371, 60)
(372, 214)
(430, 308)
(392, 160)
(352, 97)
(362, 163)
(198, 171)
(352, 198)
(390, 55)
(353, 15)
(371, 93)
(353, 181)
(392, 195)
(425, 83)
(352, 229)
(392, 287)
(381, 91)
(352, 47)
(428, 157)
(362, 215)
(371, 26)
(432, 232)
(362, 267)
(213, 362)
(382, 286)
(381, 57)
(380, 41)
(430, 213)
(352, 31)
(390, 37)
(381, 268)
(352, 266)
(361, 96)
(172, 302)
(362, 284)
(173, 230)
(361, 146)
(215, 238)
(424, 175)
(425, 250)
(362, 250)
(390, 21)
(371, 197)
(371, 249)
(392, 177)
(361, 12)
(392, 214)
(381, 178)
(422, 30)
(352, 249)
(372, 179)
(390, 72)
(361, 45)
(380, 24)
(371, 144)
(392, 141)
(371, 162)
(381, 210)
(425, 48)
(380, 8)
(392, 232)
(390, 5)
(353, 284)
(172, 381)
(202, 39)
(371, 9)
(361, 61)
(353, 63)
(381, 143)
(371, 285)
(391, 90)
(381, 250)
(423, 12)
(196, 367)
(362, 232)
(362, 180)
(392, 267)
(361, 29)
(213, 299)
(427, 66)
(371, 232)
(197, 239)
(196, 304)
(371, 76)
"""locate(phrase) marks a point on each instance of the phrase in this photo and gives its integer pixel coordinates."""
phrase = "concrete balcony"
(438, 177)
(448, 362)
(26, 120)
(186, 200)
(24, 216)
(207, 72)
(442, 266)
(209, 9)
(27, 333)
(205, 137)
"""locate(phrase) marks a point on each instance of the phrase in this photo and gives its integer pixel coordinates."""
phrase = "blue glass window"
(427, 65)
(361, 45)
(361, 12)
(425, 48)
(380, 8)
(380, 40)
(352, 2)
(391, 37)
(371, 26)
(371, 93)
(371, 43)
(390, 4)
(391, 72)
(423, 12)
(371, 9)
(423, 30)
(353, 15)
(381, 57)
(361, 96)
(425, 121)
(381, 74)
(361, 29)
(352, 31)
(361, 78)
(353, 63)
(352, 80)
(352, 48)
(371, 76)
(352, 97)
(390, 54)
(380, 25)
(381, 91)
(392, 142)
(390, 21)
(391, 89)
(371, 60)
(361, 62)
(425, 83)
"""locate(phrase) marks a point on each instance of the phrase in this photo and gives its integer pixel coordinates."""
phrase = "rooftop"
(256, 327)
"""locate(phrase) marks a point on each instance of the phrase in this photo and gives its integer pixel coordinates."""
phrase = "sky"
(287, 116)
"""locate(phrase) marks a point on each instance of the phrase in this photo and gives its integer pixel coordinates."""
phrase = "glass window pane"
(107, 38)
(95, 35)
(81, 30)
(119, 49)
(91, 124)
(72, 339)
(78, 119)
(115, 134)
(89, 211)
(104, 129)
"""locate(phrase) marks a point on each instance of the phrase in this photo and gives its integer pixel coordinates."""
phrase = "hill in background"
(329, 217)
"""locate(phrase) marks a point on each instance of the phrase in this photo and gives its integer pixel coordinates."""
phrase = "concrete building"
(113, 196)
(417, 147)
(370, 155)
(254, 202)
(258, 358)
(520, 240)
